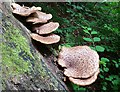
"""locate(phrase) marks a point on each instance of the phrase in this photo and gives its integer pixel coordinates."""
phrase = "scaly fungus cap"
(84, 82)
(50, 39)
(22, 10)
(79, 61)
(39, 17)
(46, 28)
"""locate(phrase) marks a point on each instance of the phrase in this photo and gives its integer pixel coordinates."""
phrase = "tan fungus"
(50, 39)
(84, 82)
(79, 61)
(46, 28)
(39, 17)
(23, 11)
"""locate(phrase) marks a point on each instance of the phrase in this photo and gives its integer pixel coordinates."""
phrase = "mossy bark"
(23, 67)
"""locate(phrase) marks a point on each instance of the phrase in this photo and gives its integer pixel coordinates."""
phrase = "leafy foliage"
(96, 25)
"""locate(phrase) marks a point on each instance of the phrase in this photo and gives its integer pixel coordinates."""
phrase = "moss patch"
(16, 54)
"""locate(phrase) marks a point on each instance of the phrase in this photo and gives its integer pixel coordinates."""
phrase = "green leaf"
(104, 88)
(101, 76)
(89, 29)
(96, 39)
(86, 31)
(93, 48)
(84, 27)
(115, 82)
(101, 70)
(82, 89)
(103, 63)
(116, 65)
(106, 69)
(78, 7)
(87, 39)
(94, 32)
(100, 48)
(110, 78)
(104, 59)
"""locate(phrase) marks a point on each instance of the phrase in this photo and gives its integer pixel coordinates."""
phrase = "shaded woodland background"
(81, 23)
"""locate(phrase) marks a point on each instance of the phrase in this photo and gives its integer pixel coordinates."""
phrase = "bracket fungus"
(50, 39)
(39, 17)
(84, 82)
(81, 64)
(46, 28)
(35, 16)
(22, 10)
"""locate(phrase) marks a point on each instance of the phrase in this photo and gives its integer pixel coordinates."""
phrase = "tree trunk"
(26, 64)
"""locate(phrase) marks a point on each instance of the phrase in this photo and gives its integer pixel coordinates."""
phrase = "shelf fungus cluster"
(41, 27)
(81, 64)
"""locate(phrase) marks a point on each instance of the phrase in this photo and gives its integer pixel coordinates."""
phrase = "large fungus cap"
(46, 28)
(79, 61)
(22, 10)
(84, 82)
(50, 39)
(39, 17)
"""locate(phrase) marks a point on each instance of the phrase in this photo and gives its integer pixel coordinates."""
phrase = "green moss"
(16, 55)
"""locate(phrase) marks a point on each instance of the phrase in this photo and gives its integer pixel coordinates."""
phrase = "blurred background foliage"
(94, 24)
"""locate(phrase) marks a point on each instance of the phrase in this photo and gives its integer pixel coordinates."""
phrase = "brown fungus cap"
(39, 17)
(46, 28)
(84, 82)
(22, 10)
(50, 39)
(79, 61)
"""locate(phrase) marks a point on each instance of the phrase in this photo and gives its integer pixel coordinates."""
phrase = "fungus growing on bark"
(84, 82)
(22, 10)
(15, 6)
(50, 39)
(39, 17)
(79, 62)
(46, 28)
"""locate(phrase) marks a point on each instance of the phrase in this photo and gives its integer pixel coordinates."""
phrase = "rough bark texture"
(23, 67)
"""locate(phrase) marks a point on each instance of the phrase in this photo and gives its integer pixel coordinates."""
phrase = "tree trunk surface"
(26, 64)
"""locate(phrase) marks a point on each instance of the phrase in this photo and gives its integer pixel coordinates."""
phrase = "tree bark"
(25, 66)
